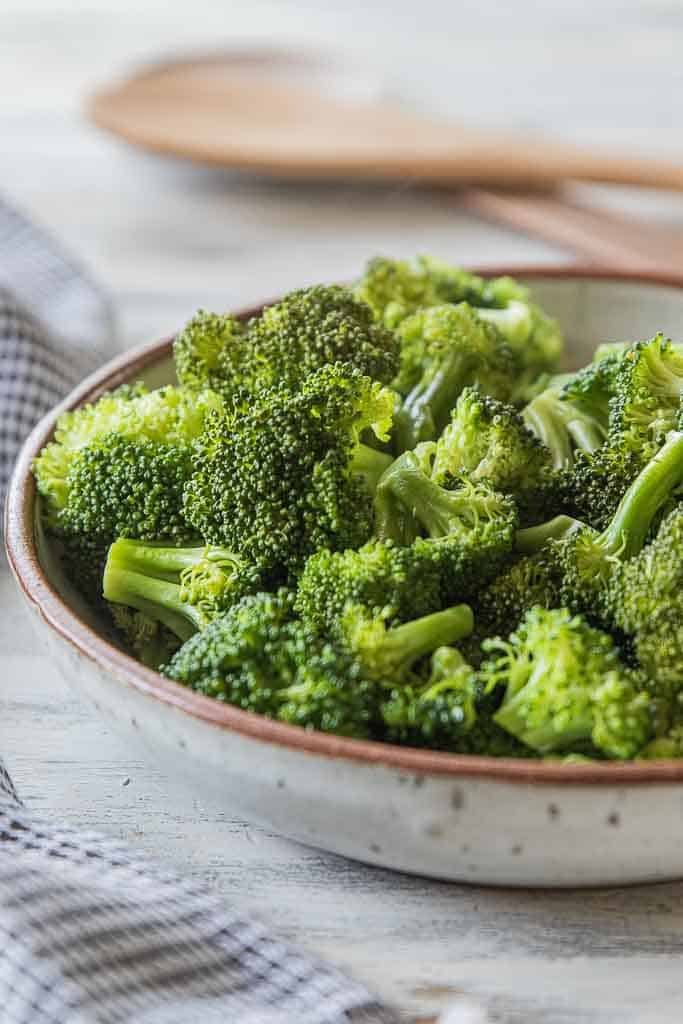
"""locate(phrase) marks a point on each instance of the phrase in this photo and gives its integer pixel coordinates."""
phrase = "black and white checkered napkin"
(90, 932)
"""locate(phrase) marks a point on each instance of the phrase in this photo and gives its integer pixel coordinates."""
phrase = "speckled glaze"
(453, 817)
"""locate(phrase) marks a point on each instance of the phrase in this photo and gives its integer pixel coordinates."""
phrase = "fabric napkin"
(91, 932)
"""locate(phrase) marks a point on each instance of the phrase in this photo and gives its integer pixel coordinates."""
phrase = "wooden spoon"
(293, 116)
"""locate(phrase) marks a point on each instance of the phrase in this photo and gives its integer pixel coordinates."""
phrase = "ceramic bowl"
(471, 819)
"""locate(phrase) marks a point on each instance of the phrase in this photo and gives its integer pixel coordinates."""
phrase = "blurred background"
(166, 236)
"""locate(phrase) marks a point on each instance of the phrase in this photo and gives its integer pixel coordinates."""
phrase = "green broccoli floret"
(533, 580)
(259, 657)
(286, 473)
(288, 341)
(563, 425)
(565, 687)
(469, 529)
(394, 582)
(444, 349)
(210, 352)
(488, 440)
(588, 558)
(169, 416)
(151, 642)
(645, 600)
(648, 394)
(184, 588)
(117, 487)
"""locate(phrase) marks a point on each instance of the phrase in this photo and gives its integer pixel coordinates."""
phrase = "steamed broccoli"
(169, 416)
(469, 528)
(182, 588)
(566, 688)
(444, 349)
(285, 474)
(564, 426)
(394, 582)
(307, 330)
(488, 440)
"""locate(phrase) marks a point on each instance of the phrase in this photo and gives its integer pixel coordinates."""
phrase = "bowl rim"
(87, 643)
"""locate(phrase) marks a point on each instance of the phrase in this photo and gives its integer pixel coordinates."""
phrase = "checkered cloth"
(90, 932)
(44, 352)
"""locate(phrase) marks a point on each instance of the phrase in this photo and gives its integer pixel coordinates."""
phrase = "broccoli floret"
(566, 687)
(170, 416)
(121, 488)
(648, 393)
(469, 529)
(286, 473)
(564, 426)
(588, 558)
(288, 341)
(184, 588)
(533, 580)
(488, 440)
(210, 352)
(444, 349)
(394, 582)
(147, 639)
(261, 658)
(645, 600)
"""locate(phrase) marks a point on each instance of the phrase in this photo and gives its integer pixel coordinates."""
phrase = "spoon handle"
(597, 236)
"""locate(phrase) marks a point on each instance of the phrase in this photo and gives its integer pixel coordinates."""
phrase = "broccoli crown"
(593, 387)
(444, 349)
(274, 480)
(394, 289)
(648, 391)
(488, 440)
(393, 582)
(589, 558)
(288, 341)
(645, 601)
(116, 487)
(563, 425)
(244, 657)
(169, 416)
(210, 352)
(533, 580)
(184, 588)
(565, 687)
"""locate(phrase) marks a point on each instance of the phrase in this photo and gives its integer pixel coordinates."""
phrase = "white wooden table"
(166, 238)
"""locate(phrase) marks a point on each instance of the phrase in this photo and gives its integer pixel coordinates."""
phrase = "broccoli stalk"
(563, 426)
(182, 588)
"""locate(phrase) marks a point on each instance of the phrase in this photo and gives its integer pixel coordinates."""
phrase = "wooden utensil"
(285, 114)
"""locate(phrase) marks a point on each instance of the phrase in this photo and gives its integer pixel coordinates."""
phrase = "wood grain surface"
(166, 238)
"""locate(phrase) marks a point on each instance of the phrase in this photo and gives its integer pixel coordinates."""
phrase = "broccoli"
(488, 440)
(533, 580)
(588, 558)
(151, 642)
(260, 657)
(287, 473)
(648, 392)
(566, 688)
(563, 425)
(444, 349)
(288, 341)
(394, 582)
(395, 290)
(169, 416)
(469, 529)
(182, 588)
(645, 601)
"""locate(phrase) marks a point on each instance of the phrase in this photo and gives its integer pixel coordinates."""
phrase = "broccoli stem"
(400, 647)
(158, 559)
(628, 530)
(558, 423)
(370, 464)
(427, 407)
(532, 538)
(158, 598)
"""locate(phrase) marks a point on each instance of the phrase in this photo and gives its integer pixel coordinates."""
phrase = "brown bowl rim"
(58, 616)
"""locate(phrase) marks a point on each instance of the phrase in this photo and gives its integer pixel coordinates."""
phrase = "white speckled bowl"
(453, 817)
